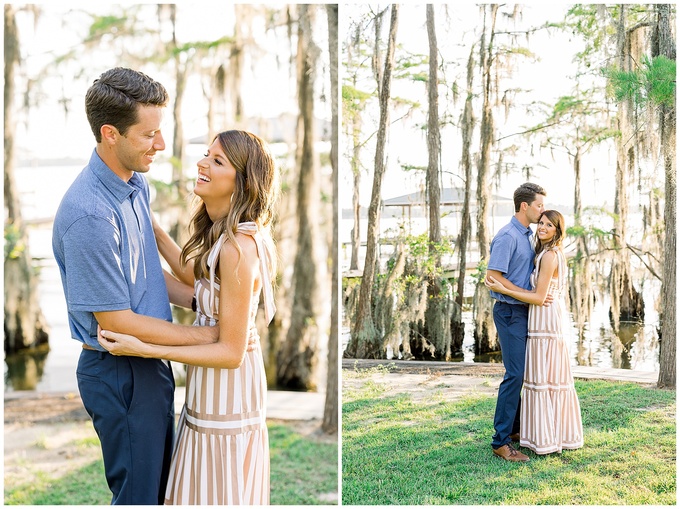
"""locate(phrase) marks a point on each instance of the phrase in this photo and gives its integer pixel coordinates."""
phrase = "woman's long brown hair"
(255, 194)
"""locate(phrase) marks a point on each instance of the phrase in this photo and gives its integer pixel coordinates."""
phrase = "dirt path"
(424, 383)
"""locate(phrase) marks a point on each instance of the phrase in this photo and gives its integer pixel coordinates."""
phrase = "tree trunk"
(667, 362)
(352, 118)
(467, 127)
(25, 325)
(363, 342)
(437, 324)
(485, 330)
(433, 139)
(581, 291)
(330, 413)
(626, 301)
(236, 58)
(285, 236)
(356, 183)
(296, 362)
(179, 228)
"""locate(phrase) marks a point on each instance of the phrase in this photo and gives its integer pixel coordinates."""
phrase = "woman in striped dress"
(221, 454)
(550, 418)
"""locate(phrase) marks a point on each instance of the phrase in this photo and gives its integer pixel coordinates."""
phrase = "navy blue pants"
(511, 323)
(131, 403)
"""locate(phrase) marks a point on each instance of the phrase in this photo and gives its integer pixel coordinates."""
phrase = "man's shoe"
(514, 437)
(509, 453)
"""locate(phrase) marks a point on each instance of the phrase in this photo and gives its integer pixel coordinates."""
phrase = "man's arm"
(154, 330)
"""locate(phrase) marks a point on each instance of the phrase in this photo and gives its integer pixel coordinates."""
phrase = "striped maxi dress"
(550, 418)
(221, 453)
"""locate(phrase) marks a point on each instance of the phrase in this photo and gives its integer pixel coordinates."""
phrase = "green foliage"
(420, 76)
(586, 20)
(589, 232)
(412, 66)
(594, 24)
(421, 257)
(411, 61)
(566, 104)
(202, 45)
(412, 167)
(653, 83)
(480, 271)
(354, 96)
(406, 103)
(14, 244)
(106, 24)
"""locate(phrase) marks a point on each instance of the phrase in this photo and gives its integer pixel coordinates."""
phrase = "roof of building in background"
(449, 196)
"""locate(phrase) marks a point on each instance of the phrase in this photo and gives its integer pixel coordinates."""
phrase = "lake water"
(41, 190)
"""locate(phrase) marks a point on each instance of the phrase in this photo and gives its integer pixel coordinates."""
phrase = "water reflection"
(24, 370)
(636, 346)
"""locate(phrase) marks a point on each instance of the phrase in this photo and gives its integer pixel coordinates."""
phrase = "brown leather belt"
(88, 347)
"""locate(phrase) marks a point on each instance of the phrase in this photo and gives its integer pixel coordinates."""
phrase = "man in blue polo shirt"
(512, 261)
(111, 272)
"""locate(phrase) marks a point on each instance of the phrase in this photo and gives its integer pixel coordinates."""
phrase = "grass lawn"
(304, 471)
(399, 451)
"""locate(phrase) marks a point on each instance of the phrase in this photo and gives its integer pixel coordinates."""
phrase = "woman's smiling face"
(216, 176)
(546, 230)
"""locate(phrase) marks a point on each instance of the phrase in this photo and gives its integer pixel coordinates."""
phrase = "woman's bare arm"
(170, 252)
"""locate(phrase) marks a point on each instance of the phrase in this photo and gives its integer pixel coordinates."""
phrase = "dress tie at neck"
(247, 228)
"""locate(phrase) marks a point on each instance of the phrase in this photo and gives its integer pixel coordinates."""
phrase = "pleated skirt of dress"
(550, 419)
(220, 457)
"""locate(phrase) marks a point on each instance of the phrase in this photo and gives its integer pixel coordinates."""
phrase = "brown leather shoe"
(514, 437)
(509, 453)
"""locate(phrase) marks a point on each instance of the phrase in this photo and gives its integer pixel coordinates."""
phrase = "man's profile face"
(137, 149)
(535, 209)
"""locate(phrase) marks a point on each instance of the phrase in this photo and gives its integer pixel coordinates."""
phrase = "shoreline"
(491, 369)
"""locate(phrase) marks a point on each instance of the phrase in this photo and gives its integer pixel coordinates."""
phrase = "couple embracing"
(107, 243)
(529, 282)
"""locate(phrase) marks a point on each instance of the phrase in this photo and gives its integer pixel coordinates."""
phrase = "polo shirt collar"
(116, 186)
(525, 230)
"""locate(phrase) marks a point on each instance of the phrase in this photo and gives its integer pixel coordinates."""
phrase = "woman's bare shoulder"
(549, 257)
(248, 250)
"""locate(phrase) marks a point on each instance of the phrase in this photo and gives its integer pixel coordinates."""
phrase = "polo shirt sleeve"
(501, 252)
(94, 276)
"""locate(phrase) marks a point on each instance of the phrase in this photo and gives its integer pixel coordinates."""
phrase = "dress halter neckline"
(247, 228)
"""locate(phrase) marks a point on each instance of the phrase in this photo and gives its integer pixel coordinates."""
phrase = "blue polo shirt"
(106, 252)
(512, 254)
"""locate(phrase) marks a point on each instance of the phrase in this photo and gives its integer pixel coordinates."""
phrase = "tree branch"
(636, 252)
(533, 129)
